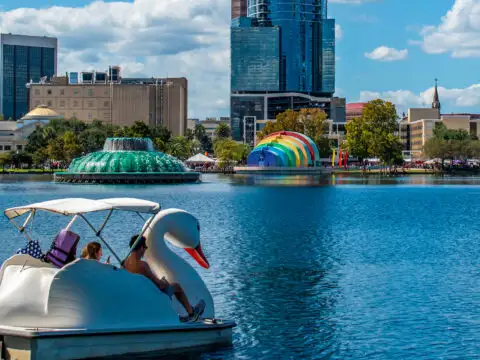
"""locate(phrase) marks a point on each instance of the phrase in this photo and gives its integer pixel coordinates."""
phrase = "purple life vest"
(64, 248)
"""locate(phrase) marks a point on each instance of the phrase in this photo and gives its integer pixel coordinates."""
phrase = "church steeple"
(436, 101)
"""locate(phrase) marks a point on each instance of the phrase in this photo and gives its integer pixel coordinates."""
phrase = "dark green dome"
(126, 155)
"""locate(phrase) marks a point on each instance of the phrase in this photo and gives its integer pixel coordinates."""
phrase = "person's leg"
(182, 298)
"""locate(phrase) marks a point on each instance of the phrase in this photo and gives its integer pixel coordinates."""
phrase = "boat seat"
(64, 248)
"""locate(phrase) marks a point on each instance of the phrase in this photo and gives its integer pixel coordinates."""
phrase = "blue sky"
(393, 49)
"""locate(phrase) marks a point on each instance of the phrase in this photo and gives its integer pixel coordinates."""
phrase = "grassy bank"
(31, 171)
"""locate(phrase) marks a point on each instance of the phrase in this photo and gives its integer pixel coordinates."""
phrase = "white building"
(14, 134)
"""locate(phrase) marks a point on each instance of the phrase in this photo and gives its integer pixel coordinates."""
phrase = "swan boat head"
(182, 230)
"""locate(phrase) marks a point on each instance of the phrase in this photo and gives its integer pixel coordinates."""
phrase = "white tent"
(200, 158)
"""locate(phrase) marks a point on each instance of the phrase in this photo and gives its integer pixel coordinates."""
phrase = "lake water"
(320, 268)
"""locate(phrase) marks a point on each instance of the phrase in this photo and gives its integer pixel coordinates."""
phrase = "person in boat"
(93, 251)
(136, 265)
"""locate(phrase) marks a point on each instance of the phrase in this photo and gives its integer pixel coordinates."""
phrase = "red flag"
(340, 158)
(345, 161)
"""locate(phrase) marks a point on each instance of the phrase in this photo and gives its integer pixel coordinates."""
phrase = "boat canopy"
(76, 206)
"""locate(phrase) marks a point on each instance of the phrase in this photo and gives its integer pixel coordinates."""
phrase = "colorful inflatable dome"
(285, 149)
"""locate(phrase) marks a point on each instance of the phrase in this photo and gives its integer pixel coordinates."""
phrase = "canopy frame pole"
(104, 223)
(147, 225)
(32, 213)
(70, 224)
(99, 236)
(141, 217)
(19, 228)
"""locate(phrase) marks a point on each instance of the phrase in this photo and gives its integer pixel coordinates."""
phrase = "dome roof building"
(42, 112)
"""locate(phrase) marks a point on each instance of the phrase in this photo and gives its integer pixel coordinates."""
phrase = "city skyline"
(384, 49)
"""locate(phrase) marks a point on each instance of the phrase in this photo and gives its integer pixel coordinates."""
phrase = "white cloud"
(384, 53)
(450, 98)
(338, 32)
(458, 32)
(146, 37)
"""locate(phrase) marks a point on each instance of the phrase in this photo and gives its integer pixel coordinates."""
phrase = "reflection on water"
(318, 271)
(350, 179)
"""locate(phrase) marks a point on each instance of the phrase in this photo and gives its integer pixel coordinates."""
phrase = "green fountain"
(127, 161)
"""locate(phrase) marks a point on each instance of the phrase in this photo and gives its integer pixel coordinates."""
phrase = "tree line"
(58, 142)
(449, 144)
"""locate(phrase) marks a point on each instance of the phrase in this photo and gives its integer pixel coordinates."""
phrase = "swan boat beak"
(199, 256)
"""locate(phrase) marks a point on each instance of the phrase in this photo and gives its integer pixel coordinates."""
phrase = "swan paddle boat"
(52, 307)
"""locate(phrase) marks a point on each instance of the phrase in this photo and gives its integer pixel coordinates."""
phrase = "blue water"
(320, 268)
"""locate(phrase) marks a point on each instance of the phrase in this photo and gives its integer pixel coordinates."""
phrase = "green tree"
(92, 139)
(20, 159)
(179, 147)
(373, 133)
(36, 141)
(160, 145)
(5, 159)
(451, 144)
(56, 150)
(160, 132)
(311, 122)
(189, 134)
(200, 132)
(223, 131)
(324, 146)
(40, 156)
(71, 146)
(196, 146)
(228, 152)
(139, 129)
(2, 118)
(358, 137)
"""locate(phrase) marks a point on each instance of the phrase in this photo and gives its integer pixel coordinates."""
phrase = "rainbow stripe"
(285, 149)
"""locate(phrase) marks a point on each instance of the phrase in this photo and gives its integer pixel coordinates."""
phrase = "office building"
(23, 59)
(250, 109)
(211, 124)
(192, 123)
(255, 63)
(416, 128)
(282, 57)
(153, 101)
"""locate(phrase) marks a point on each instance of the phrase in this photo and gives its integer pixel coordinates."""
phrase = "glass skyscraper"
(301, 36)
(23, 58)
(255, 56)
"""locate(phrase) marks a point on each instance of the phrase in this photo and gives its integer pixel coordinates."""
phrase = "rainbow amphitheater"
(283, 151)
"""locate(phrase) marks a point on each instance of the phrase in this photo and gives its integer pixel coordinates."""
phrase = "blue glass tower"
(282, 57)
(303, 25)
(23, 58)
(255, 56)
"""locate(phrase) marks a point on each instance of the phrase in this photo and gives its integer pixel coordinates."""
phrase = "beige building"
(161, 102)
(211, 124)
(417, 127)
